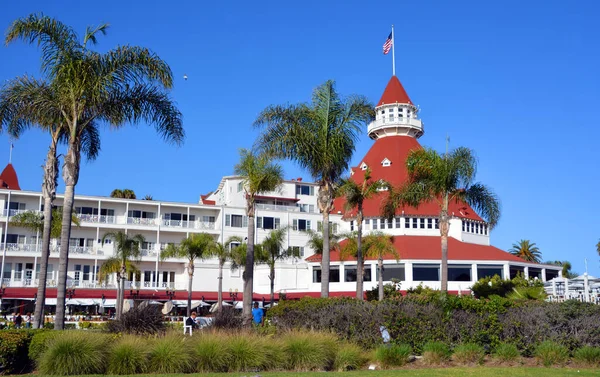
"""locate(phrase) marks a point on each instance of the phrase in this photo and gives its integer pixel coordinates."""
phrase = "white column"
(526, 272)
(34, 270)
(506, 268)
(158, 251)
(408, 273)
(474, 274)
(543, 274)
(4, 243)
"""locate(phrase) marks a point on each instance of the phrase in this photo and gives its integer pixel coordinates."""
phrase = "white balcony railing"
(22, 247)
(395, 121)
(141, 221)
(13, 212)
(202, 225)
(149, 252)
(277, 207)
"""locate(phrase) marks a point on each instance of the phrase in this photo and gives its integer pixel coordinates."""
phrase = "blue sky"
(516, 81)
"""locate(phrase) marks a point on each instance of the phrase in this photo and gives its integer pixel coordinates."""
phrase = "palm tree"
(259, 175)
(566, 268)
(19, 112)
(124, 85)
(124, 194)
(148, 197)
(195, 246)
(222, 251)
(526, 250)
(598, 247)
(34, 221)
(379, 245)
(321, 138)
(315, 241)
(126, 254)
(442, 179)
(272, 250)
(355, 195)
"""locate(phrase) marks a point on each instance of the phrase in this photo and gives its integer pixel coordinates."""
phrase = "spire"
(394, 93)
(9, 179)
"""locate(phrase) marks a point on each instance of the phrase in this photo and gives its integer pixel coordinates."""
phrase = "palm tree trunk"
(220, 287)
(359, 256)
(249, 270)
(380, 263)
(444, 229)
(119, 303)
(272, 278)
(70, 176)
(190, 280)
(122, 289)
(325, 260)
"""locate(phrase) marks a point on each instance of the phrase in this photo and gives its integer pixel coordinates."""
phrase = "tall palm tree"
(259, 175)
(379, 245)
(443, 179)
(321, 138)
(125, 85)
(123, 194)
(526, 250)
(222, 251)
(126, 254)
(195, 246)
(315, 241)
(19, 112)
(355, 195)
(272, 250)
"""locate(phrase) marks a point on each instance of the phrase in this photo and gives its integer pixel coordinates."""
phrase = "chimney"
(299, 179)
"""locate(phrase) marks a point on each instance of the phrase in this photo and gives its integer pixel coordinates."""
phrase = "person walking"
(28, 320)
(258, 315)
(18, 320)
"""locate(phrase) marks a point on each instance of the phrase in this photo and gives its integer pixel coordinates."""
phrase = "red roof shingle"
(394, 93)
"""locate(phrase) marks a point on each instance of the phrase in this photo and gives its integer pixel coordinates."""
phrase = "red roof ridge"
(9, 178)
(394, 93)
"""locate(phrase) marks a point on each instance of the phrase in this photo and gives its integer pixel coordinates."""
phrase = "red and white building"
(221, 213)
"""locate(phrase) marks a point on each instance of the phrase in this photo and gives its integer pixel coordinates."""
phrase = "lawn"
(445, 372)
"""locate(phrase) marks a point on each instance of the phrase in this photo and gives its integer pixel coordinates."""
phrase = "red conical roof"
(9, 178)
(394, 93)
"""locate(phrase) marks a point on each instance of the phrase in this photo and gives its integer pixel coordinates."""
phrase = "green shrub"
(506, 352)
(551, 353)
(14, 346)
(349, 357)
(39, 343)
(74, 353)
(275, 357)
(170, 354)
(309, 350)
(142, 320)
(469, 353)
(211, 353)
(394, 355)
(128, 356)
(435, 353)
(246, 353)
(588, 356)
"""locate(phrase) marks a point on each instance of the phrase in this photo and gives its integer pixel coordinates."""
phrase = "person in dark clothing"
(18, 320)
(191, 321)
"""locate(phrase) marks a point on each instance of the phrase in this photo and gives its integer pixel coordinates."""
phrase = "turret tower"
(396, 115)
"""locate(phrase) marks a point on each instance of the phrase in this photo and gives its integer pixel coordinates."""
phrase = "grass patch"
(171, 354)
(307, 351)
(588, 356)
(469, 353)
(436, 353)
(394, 355)
(246, 353)
(211, 353)
(550, 353)
(74, 353)
(506, 353)
(128, 356)
(349, 357)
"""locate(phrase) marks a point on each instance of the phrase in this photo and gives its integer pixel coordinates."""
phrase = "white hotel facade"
(222, 214)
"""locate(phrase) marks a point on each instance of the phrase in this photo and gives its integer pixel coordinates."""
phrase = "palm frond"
(259, 173)
(110, 266)
(90, 141)
(485, 202)
(90, 33)
(379, 245)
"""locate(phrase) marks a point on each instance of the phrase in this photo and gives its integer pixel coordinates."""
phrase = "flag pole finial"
(393, 53)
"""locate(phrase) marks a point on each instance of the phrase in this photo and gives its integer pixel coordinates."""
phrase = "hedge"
(14, 349)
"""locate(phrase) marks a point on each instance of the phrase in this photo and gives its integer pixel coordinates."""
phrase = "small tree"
(123, 194)
(196, 246)
(259, 174)
(355, 195)
(315, 241)
(526, 250)
(222, 251)
(272, 250)
(378, 245)
(127, 253)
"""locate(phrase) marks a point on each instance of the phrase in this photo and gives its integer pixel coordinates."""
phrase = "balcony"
(23, 247)
(277, 207)
(188, 224)
(97, 219)
(396, 126)
(149, 252)
(141, 221)
(202, 225)
(13, 212)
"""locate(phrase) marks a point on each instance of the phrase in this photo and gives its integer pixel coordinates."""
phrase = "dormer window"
(386, 162)
(363, 166)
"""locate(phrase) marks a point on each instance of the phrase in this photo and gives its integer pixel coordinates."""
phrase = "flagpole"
(393, 53)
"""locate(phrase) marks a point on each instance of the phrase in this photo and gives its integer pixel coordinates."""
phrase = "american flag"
(387, 45)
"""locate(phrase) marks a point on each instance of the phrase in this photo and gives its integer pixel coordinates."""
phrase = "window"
(141, 214)
(15, 206)
(393, 272)
(307, 208)
(207, 219)
(267, 222)
(7, 271)
(350, 273)
(429, 223)
(422, 223)
(375, 223)
(400, 112)
(147, 276)
(464, 224)
(407, 222)
(363, 166)
(459, 273)
(301, 225)
(77, 272)
(437, 223)
(18, 271)
(240, 186)
(397, 222)
(147, 245)
(551, 274)
(484, 271)
(516, 270)
(352, 226)
(334, 274)
(15, 238)
(298, 250)
(86, 273)
(86, 210)
(386, 162)
(107, 212)
(236, 221)
(367, 223)
(415, 223)
(535, 273)
(305, 190)
(485, 230)
(426, 272)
